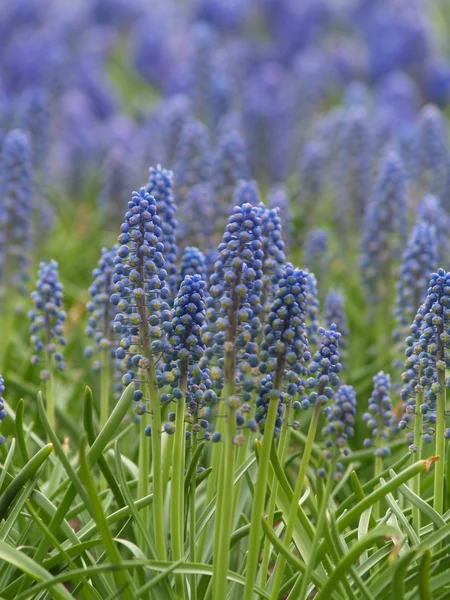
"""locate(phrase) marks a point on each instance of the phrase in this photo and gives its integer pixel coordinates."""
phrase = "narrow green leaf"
(424, 576)
(17, 508)
(193, 466)
(20, 435)
(22, 477)
(7, 462)
(123, 582)
(156, 580)
(398, 580)
(352, 555)
(377, 494)
(393, 505)
(28, 566)
(423, 506)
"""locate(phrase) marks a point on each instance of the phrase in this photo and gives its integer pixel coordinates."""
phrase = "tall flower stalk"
(324, 370)
(234, 308)
(46, 329)
(284, 354)
(141, 297)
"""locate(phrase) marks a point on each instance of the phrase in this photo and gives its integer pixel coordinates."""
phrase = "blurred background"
(306, 98)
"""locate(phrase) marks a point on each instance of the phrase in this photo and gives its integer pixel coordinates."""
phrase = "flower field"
(224, 300)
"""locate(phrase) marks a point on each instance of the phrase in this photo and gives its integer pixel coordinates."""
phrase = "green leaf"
(424, 576)
(352, 555)
(27, 472)
(28, 566)
(20, 432)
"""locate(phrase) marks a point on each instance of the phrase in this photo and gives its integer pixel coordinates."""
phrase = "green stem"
(418, 423)
(283, 445)
(378, 465)
(192, 524)
(299, 590)
(104, 388)
(177, 494)
(259, 499)
(440, 445)
(296, 498)
(225, 500)
(50, 393)
(144, 470)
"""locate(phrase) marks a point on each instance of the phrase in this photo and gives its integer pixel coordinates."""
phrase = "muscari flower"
(101, 311)
(324, 368)
(384, 228)
(193, 262)
(284, 348)
(47, 318)
(176, 113)
(312, 311)
(334, 312)
(431, 153)
(202, 230)
(160, 186)
(316, 256)
(234, 304)
(193, 157)
(279, 198)
(340, 416)
(379, 415)
(311, 176)
(16, 209)
(430, 210)
(419, 261)
(273, 248)
(201, 68)
(140, 293)
(230, 161)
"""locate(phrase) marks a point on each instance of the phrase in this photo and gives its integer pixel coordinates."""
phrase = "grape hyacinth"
(246, 192)
(2, 406)
(188, 349)
(430, 210)
(233, 307)
(316, 253)
(100, 326)
(141, 296)
(16, 209)
(334, 312)
(230, 163)
(201, 231)
(340, 416)
(384, 228)
(193, 262)
(312, 176)
(176, 113)
(279, 198)
(431, 153)
(193, 157)
(419, 261)
(427, 360)
(47, 320)
(312, 312)
(379, 415)
(160, 186)
(284, 354)
(273, 249)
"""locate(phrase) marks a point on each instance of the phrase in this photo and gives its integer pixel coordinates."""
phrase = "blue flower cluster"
(316, 256)
(201, 230)
(140, 293)
(431, 153)
(2, 406)
(340, 426)
(273, 249)
(246, 192)
(430, 210)
(284, 348)
(234, 305)
(312, 312)
(324, 368)
(426, 353)
(193, 262)
(101, 311)
(312, 175)
(379, 415)
(384, 228)
(16, 209)
(334, 312)
(160, 187)
(47, 318)
(279, 198)
(230, 163)
(193, 163)
(419, 261)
